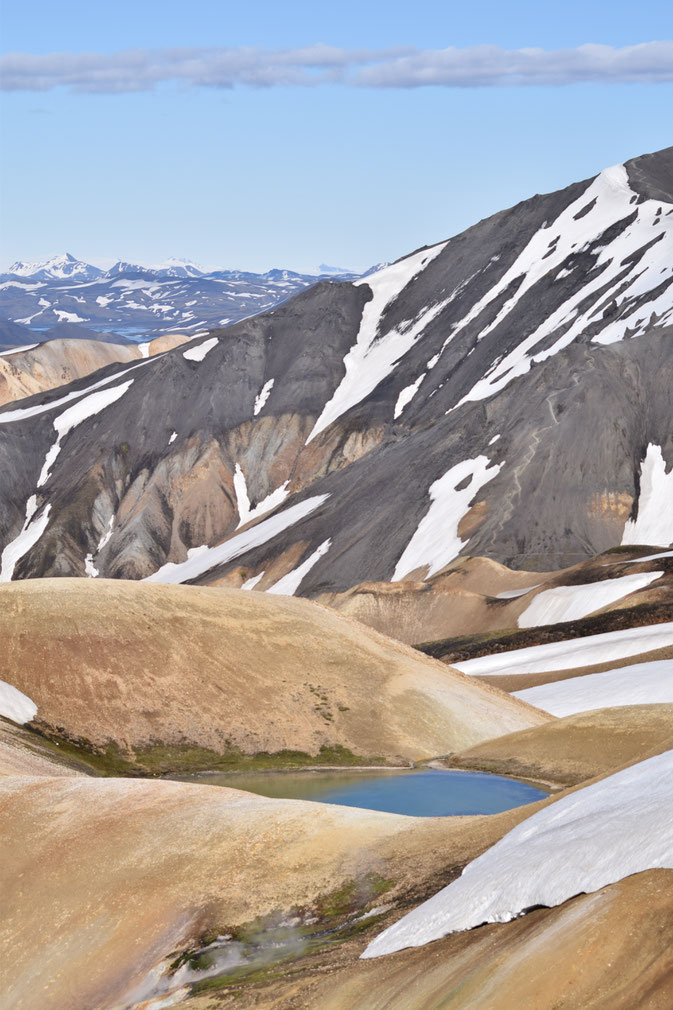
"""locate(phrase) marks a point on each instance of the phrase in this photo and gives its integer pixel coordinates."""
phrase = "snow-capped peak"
(61, 267)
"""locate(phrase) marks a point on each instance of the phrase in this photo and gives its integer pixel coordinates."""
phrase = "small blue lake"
(417, 793)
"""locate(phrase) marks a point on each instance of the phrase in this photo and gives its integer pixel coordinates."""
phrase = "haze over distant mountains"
(132, 300)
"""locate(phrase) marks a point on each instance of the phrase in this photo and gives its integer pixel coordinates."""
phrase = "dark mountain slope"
(506, 393)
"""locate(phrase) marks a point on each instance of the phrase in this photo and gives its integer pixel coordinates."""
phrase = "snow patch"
(106, 536)
(252, 582)
(289, 584)
(407, 395)
(199, 352)
(144, 349)
(582, 842)
(173, 438)
(16, 705)
(263, 396)
(570, 603)
(654, 522)
(68, 317)
(90, 569)
(18, 350)
(640, 684)
(436, 542)
(268, 504)
(611, 197)
(238, 544)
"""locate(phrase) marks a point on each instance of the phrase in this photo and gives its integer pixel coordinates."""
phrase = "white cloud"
(402, 67)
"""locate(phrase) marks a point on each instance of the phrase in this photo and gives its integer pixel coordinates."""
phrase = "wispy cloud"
(312, 66)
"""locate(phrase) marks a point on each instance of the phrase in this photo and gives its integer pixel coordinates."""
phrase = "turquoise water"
(418, 793)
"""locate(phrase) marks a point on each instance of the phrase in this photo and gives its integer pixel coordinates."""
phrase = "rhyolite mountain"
(506, 393)
(136, 301)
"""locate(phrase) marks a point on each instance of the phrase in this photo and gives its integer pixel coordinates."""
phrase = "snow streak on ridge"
(607, 201)
(202, 559)
(374, 354)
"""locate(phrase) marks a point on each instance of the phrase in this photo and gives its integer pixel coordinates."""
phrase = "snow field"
(640, 684)
(570, 603)
(587, 651)
(582, 842)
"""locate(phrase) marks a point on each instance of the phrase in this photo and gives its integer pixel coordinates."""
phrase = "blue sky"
(348, 172)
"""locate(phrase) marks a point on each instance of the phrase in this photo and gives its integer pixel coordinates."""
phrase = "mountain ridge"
(431, 409)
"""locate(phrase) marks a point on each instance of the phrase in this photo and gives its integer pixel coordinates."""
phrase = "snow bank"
(289, 584)
(199, 352)
(654, 522)
(436, 542)
(573, 652)
(15, 705)
(640, 684)
(593, 837)
(208, 557)
(374, 354)
(570, 603)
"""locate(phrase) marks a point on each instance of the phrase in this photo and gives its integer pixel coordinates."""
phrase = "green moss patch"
(182, 759)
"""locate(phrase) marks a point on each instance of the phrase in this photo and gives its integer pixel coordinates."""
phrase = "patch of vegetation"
(328, 921)
(183, 759)
(352, 896)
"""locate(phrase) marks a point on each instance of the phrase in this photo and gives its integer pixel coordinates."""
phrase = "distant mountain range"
(134, 301)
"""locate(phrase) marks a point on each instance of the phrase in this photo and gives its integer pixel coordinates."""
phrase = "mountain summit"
(62, 267)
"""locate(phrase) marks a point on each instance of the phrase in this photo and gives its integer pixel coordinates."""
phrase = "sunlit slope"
(140, 665)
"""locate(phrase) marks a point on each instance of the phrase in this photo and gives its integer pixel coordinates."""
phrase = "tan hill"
(134, 870)
(157, 669)
(57, 362)
(472, 596)
(577, 747)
